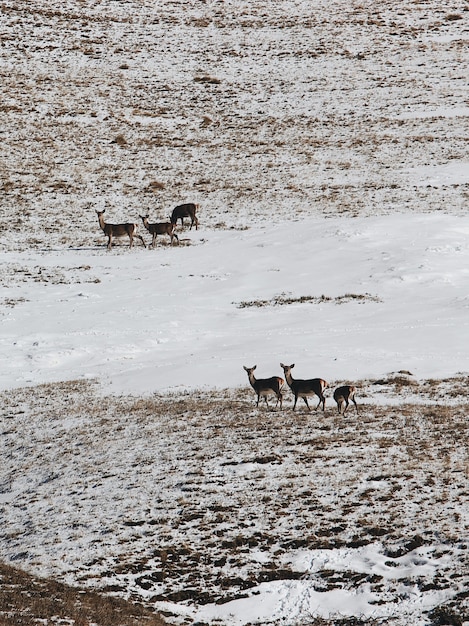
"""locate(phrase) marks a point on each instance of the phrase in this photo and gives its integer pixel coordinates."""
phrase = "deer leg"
(306, 402)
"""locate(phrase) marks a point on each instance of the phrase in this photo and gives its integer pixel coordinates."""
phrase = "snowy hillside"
(326, 143)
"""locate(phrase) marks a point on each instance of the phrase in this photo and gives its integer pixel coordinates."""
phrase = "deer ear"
(254, 367)
(292, 365)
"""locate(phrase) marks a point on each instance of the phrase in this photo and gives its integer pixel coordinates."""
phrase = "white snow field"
(326, 144)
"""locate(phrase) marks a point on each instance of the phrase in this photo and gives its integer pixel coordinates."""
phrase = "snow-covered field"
(327, 145)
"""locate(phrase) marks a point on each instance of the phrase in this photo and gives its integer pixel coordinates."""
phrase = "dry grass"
(26, 600)
(303, 159)
(284, 299)
(185, 486)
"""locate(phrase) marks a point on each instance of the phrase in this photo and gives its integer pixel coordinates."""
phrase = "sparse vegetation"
(215, 478)
(283, 142)
(198, 497)
(284, 299)
(212, 80)
(26, 600)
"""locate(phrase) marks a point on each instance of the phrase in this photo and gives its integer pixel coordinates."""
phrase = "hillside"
(259, 111)
(326, 144)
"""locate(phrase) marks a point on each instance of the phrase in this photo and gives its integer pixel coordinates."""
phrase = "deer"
(265, 387)
(343, 395)
(305, 388)
(185, 210)
(118, 230)
(160, 228)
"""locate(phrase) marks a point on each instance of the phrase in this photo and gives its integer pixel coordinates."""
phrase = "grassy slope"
(27, 599)
(207, 479)
(84, 115)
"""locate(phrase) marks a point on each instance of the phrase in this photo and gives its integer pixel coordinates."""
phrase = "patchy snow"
(273, 601)
(326, 143)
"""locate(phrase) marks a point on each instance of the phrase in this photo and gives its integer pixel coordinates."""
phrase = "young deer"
(118, 230)
(305, 388)
(185, 210)
(343, 395)
(266, 386)
(160, 228)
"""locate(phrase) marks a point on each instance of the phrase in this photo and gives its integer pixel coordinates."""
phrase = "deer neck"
(252, 380)
(101, 222)
(289, 379)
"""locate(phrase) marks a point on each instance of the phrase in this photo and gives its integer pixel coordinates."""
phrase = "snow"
(329, 157)
(170, 318)
(273, 601)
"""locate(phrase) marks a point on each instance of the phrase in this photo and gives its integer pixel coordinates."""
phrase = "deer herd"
(129, 229)
(274, 386)
(264, 387)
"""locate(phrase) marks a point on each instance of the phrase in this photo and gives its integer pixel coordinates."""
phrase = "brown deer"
(185, 210)
(344, 395)
(305, 388)
(159, 228)
(118, 230)
(265, 387)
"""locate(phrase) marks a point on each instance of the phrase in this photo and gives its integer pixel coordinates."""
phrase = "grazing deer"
(266, 386)
(305, 388)
(185, 210)
(160, 228)
(118, 230)
(342, 395)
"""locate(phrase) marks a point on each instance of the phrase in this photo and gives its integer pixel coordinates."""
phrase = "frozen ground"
(343, 298)
(327, 146)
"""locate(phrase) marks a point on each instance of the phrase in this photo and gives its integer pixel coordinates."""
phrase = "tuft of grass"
(211, 80)
(283, 299)
(120, 140)
(155, 185)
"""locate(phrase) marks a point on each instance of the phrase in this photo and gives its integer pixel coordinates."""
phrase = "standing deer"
(185, 210)
(266, 386)
(342, 395)
(160, 228)
(118, 230)
(305, 388)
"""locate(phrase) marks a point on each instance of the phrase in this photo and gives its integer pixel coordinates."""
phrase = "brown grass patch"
(283, 299)
(26, 599)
